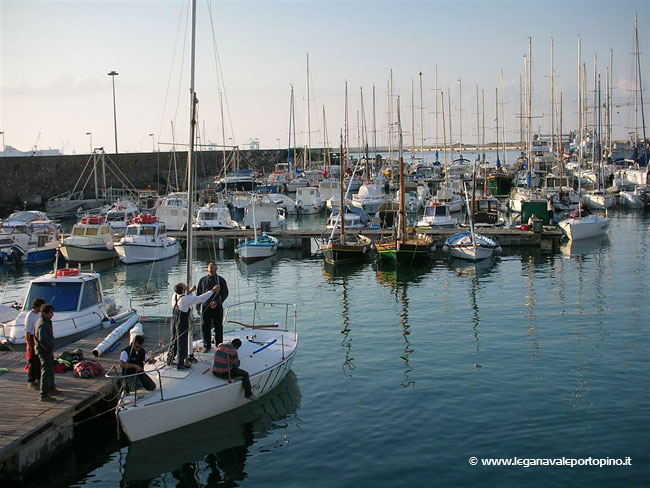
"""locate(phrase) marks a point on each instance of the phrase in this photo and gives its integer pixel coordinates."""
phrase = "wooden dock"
(549, 239)
(32, 431)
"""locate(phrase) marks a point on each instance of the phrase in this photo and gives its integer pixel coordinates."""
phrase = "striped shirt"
(225, 358)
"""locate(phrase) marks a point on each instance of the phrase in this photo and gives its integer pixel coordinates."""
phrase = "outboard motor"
(15, 255)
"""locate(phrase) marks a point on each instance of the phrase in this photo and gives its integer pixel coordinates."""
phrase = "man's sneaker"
(54, 391)
(47, 398)
(32, 386)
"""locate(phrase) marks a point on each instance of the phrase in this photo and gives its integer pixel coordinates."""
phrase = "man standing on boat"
(44, 336)
(180, 323)
(212, 310)
(33, 363)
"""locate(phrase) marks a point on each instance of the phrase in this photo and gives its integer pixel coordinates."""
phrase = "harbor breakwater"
(28, 181)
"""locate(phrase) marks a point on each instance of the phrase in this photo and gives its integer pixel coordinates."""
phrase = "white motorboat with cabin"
(369, 197)
(284, 201)
(212, 216)
(146, 240)
(309, 201)
(449, 197)
(120, 214)
(437, 215)
(28, 237)
(267, 214)
(90, 240)
(172, 211)
(79, 303)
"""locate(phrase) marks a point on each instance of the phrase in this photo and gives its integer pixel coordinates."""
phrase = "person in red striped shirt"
(226, 366)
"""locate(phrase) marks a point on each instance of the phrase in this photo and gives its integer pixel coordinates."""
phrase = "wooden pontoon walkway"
(31, 430)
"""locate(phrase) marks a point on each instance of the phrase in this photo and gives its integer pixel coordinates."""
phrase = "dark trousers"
(47, 373)
(143, 379)
(179, 327)
(212, 318)
(34, 369)
(236, 373)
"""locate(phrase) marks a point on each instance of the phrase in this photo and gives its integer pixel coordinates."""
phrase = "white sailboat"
(259, 247)
(269, 343)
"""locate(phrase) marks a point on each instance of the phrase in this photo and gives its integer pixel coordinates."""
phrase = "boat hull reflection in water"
(217, 447)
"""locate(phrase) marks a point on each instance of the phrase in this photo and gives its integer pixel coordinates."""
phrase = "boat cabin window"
(91, 231)
(91, 294)
(208, 216)
(132, 230)
(105, 230)
(147, 230)
(162, 230)
(77, 231)
(115, 217)
(64, 296)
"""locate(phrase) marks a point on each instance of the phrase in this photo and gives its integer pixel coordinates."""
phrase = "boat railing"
(290, 315)
(118, 380)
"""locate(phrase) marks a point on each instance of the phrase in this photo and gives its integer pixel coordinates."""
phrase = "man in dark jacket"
(132, 360)
(212, 310)
(44, 336)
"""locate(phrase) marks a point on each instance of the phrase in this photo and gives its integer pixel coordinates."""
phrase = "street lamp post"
(113, 74)
(91, 141)
(153, 146)
(4, 148)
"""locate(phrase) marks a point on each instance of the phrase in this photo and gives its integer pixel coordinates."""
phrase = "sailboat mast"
(307, 157)
(374, 123)
(503, 118)
(412, 123)
(421, 119)
(402, 213)
(290, 128)
(444, 137)
(223, 136)
(190, 152)
(640, 83)
(435, 96)
(460, 116)
(496, 101)
(341, 206)
(552, 101)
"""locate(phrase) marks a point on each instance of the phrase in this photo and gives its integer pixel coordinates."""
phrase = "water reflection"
(340, 274)
(467, 269)
(584, 247)
(262, 267)
(214, 451)
(398, 277)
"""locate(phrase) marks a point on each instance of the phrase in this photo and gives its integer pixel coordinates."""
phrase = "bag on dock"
(88, 369)
(73, 357)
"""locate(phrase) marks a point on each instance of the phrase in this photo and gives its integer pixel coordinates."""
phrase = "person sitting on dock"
(132, 361)
(44, 336)
(180, 323)
(226, 366)
(33, 363)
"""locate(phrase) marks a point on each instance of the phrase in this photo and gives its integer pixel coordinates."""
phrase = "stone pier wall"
(28, 179)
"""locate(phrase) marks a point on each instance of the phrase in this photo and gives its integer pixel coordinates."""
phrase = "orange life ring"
(67, 272)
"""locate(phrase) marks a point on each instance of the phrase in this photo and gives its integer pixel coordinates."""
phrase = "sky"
(55, 56)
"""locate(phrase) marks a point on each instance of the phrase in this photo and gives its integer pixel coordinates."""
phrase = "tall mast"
(640, 83)
(341, 176)
(326, 149)
(421, 119)
(496, 102)
(290, 128)
(307, 156)
(223, 135)
(552, 101)
(402, 212)
(503, 118)
(460, 116)
(435, 96)
(374, 123)
(412, 123)
(451, 139)
(444, 138)
(190, 152)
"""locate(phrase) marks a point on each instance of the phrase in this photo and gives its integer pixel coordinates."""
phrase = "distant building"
(253, 144)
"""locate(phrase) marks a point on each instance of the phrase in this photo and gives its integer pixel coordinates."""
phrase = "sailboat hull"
(337, 252)
(405, 251)
(585, 227)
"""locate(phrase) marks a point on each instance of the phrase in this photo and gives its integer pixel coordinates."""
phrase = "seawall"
(33, 178)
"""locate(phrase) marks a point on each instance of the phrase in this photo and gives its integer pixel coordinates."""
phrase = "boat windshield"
(64, 296)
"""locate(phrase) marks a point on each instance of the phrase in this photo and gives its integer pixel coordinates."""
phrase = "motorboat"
(284, 201)
(28, 237)
(120, 214)
(449, 197)
(486, 212)
(258, 248)
(268, 214)
(79, 303)
(637, 198)
(214, 216)
(90, 240)
(146, 240)
(352, 221)
(598, 199)
(437, 215)
(172, 211)
(369, 197)
(269, 343)
(328, 188)
(296, 183)
(309, 201)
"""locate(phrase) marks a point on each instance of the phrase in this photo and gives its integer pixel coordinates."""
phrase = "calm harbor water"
(404, 373)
